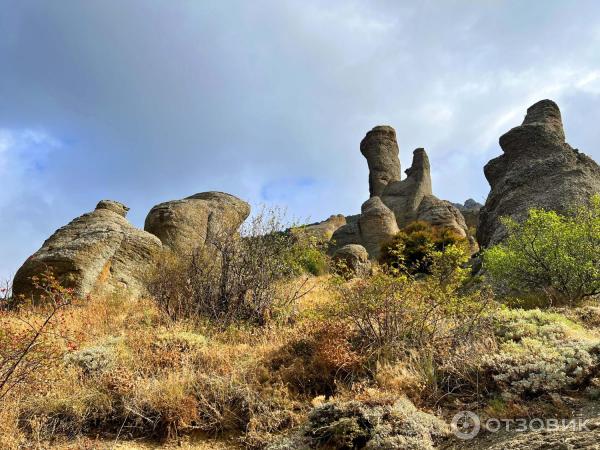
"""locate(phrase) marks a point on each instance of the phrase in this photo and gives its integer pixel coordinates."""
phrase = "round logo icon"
(465, 425)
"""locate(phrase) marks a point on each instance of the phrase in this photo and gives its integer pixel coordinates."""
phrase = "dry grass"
(129, 377)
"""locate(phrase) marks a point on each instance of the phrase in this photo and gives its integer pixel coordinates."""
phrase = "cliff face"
(537, 169)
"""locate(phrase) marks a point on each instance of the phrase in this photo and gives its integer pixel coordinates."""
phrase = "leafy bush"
(233, 278)
(413, 249)
(307, 255)
(557, 256)
(540, 353)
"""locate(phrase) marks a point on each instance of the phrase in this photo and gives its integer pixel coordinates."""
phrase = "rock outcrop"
(377, 225)
(353, 261)
(98, 252)
(470, 211)
(538, 169)
(394, 203)
(322, 231)
(184, 225)
(380, 148)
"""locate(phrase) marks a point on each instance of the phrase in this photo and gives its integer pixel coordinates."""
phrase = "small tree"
(25, 350)
(551, 254)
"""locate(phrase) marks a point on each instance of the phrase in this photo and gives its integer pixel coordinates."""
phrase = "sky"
(145, 101)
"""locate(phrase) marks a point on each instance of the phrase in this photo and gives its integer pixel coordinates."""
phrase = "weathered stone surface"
(395, 203)
(441, 213)
(184, 225)
(377, 224)
(98, 252)
(380, 148)
(537, 169)
(470, 211)
(346, 234)
(404, 197)
(355, 259)
(323, 231)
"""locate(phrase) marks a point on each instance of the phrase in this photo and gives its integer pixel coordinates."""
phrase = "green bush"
(306, 255)
(549, 255)
(413, 249)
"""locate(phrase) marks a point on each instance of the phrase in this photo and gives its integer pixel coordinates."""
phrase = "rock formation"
(322, 231)
(470, 211)
(381, 150)
(184, 225)
(98, 252)
(394, 203)
(377, 225)
(355, 260)
(538, 169)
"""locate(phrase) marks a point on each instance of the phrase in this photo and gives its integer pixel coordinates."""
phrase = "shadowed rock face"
(98, 252)
(380, 148)
(184, 225)
(470, 211)
(537, 169)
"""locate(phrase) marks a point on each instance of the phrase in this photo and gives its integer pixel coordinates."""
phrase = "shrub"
(307, 255)
(369, 425)
(26, 349)
(413, 249)
(540, 353)
(92, 359)
(232, 278)
(391, 313)
(557, 256)
(320, 356)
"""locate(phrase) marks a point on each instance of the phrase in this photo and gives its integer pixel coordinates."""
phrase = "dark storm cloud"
(145, 101)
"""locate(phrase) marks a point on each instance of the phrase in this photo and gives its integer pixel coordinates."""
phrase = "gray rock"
(380, 148)
(394, 203)
(96, 253)
(184, 225)
(537, 169)
(470, 211)
(322, 231)
(404, 197)
(377, 225)
(441, 213)
(355, 259)
(472, 204)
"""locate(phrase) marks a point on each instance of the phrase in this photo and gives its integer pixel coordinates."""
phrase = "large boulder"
(377, 225)
(380, 149)
(184, 225)
(538, 169)
(443, 214)
(98, 252)
(353, 260)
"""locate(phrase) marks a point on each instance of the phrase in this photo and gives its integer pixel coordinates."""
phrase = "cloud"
(151, 101)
